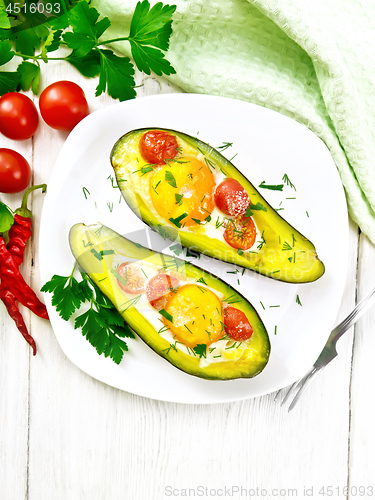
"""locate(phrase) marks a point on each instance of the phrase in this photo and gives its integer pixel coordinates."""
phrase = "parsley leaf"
(178, 198)
(251, 207)
(116, 75)
(6, 218)
(29, 76)
(102, 325)
(67, 294)
(150, 30)
(80, 29)
(51, 44)
(86, 28)
(88, 66)
(200, 349)
(169, 177)
(8, 79)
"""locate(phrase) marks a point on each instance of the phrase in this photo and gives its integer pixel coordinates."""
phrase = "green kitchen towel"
(312, 60)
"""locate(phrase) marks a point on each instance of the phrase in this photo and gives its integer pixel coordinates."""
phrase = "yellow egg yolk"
(183, 191)
(197, 315)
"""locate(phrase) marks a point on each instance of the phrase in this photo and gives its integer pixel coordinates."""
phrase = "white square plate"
(267, 145)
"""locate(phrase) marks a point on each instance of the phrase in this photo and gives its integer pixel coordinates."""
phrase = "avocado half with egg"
(188, 327)
(176, 197)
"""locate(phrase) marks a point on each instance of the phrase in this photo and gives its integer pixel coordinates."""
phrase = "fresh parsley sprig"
(83, 31)
(101, 323)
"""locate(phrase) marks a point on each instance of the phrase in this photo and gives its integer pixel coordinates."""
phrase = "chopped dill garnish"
(225, 146)
(298, 301)
(210, 164)
(188, 329)
(177, 221)
(288, 182)
(130, 303)
(218, 223)
(177, 249)
(100, 255)
(201, 280)
(277, 187)
(99, 230)
(166, 315)
(232, 299)
(261, 242)
(286, 246)
(144, 170)
(85, 190)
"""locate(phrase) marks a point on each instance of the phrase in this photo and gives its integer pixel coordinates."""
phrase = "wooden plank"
(88, 440)
(15, 356)
(362, 431)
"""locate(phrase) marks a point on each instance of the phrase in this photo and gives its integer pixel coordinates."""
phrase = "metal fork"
(329, 351)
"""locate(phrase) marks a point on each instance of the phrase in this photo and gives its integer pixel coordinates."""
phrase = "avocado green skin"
(99, 272)
(298, 265)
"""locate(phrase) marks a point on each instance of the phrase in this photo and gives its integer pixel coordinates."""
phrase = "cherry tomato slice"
(240, 232)
(159, 289)
(15, 172)
(231, 198)
(157, 146)
(62, 105)
(133, 276)
(236, 324)
(19, 117)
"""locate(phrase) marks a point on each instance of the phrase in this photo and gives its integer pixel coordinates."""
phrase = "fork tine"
(305, 383)
(277, 395)
(286, 397)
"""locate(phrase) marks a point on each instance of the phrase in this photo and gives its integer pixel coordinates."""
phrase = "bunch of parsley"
(101, 324)
(81, 30)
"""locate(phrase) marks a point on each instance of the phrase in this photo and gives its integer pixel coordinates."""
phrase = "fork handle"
(360, 309)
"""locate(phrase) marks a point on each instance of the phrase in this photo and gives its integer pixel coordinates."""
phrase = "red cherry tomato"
(231, 198)
(135, 280)
(62, 105)
(19, 117)
(236, 324)
(240, 232)
(15, 172)
(159, 289)
(157, 146)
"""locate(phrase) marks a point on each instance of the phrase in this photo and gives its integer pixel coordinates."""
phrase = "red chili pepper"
(10, 303)
(19, 235)
(13, 280)
(20, 231)
(13, 287)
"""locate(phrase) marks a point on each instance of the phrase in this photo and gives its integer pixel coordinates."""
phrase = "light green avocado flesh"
(98, 250)
(281, 253)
